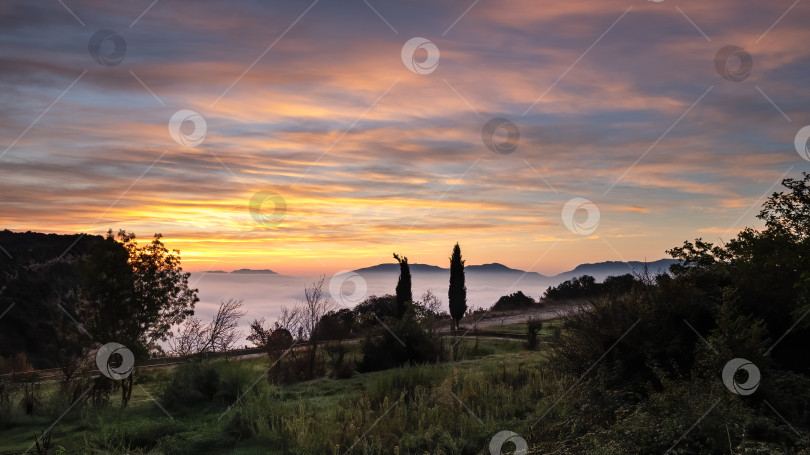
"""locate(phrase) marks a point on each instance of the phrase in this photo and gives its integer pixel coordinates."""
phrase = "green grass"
(416, 410)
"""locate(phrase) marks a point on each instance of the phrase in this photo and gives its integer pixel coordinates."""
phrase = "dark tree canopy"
(457, 294)
(133, 295)
(403, 291)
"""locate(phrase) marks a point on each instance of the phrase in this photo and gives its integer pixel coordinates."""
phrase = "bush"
(405, 343)
(533, 327)
(200, 381)
(515, 301)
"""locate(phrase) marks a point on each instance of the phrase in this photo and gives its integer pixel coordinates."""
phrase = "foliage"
(404, 296)
(457, 293)
(515, 301)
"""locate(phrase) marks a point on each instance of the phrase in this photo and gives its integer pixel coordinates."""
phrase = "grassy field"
(453, 407)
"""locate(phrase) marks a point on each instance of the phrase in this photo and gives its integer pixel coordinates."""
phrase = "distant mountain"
(215, 271)
(602, 270)
(388, 268)
(498, 268)
(599, 270)
(254, 272)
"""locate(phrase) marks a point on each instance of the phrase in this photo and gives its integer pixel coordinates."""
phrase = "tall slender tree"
(404, 295)
(457, 294)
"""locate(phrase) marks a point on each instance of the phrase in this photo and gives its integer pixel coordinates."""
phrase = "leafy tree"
(133, 295)
(514, 301)
(457, 294)
(404, 294)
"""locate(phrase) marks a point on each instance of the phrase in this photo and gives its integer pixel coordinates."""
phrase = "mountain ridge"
(595, 269)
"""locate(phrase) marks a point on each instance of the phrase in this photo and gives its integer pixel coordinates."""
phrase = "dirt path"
(496, 319)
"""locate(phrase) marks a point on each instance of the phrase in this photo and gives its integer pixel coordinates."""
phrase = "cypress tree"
(457, 294)
(404, 295)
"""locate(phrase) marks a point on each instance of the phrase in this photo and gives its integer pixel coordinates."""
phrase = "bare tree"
(313, 308)
(220, 335)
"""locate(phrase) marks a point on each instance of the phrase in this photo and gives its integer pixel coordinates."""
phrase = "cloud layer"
(616, 103)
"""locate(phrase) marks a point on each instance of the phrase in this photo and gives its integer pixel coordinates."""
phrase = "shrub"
(515, 301)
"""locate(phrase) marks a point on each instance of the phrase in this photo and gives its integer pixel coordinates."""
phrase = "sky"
(316, 136)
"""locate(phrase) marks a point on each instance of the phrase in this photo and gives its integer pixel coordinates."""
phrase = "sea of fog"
(263, 295)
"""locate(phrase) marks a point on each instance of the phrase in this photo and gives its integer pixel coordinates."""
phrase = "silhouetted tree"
(404, 295)
(457, 294)
(133, 295)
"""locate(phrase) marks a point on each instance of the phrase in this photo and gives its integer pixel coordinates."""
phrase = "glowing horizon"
(314, 102)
